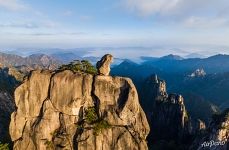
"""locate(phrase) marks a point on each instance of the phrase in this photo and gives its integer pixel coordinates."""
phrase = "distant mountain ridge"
(172, 63)
(190, 61)
(42, 60)
(210, 85)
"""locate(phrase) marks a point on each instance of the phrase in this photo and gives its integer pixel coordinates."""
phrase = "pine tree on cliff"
(79, 66)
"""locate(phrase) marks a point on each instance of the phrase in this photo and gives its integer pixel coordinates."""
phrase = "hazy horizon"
(121, 53)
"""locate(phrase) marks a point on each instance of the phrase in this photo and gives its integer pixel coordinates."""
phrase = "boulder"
(103, 65)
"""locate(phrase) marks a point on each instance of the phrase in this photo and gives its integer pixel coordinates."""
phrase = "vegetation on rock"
(92, 118)
(91, 115)
(100, 125)
(79, 66)
(4, 146)
(49, 144)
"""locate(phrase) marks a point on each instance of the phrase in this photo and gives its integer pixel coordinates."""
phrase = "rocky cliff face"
(6, 108)
(169, 122)
(8, 83)
(66, 110)
(153, 89)
(172, 127)
(216, 137)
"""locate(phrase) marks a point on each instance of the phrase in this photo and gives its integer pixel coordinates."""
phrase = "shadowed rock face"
(216, 137)
(53, 112)
(6, 108)
(168, 118)
(8, 83)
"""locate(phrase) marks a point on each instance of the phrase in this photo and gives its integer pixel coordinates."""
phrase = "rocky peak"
(198, 73)
(169, 112)
(166, 113)
(153, 78)
(171, 57)
(201, 125)
(103, 65)
(159, 84)
(70, 110)
(153, 89)
(175, 99)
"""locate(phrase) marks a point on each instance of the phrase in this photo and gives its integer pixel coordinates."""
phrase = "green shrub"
(100, 125)
(92, 118)
(4, 146)
(91, 115)
(79, 66)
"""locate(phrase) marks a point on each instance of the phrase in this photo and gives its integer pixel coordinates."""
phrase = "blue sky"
(161, 26)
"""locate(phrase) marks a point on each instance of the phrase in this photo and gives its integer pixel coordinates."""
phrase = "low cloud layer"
(14, 5)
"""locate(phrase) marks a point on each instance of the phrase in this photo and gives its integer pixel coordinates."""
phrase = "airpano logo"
(213, 143)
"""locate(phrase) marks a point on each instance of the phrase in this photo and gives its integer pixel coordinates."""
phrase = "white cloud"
(29, 24)
(19, 25)
(190, 13)
(148, 7)
(204, 22)
(171, 7)
(13, 5)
